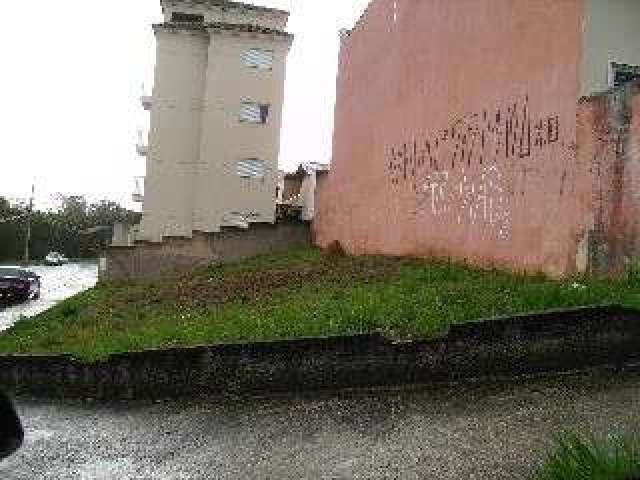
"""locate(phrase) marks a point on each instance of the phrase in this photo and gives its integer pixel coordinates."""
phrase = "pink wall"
(455, 134)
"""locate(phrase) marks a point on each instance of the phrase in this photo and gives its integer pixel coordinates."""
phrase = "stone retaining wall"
(181, 255)
(552, 341)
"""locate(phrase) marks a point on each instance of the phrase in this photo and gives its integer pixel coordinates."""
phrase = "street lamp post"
(29, 212)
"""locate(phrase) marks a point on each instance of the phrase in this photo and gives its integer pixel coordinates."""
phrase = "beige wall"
(231, 13)
(230, 83)
(177, 255)
(196, 138)
(612, 33)
(174, 138)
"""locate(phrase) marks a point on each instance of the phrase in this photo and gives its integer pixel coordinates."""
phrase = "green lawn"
(300, 294)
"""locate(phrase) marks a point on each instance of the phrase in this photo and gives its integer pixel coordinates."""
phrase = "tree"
(62, 229)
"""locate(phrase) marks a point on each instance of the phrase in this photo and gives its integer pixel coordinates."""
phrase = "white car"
(55, 259)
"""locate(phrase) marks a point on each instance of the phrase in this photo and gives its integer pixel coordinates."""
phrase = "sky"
(72, 76)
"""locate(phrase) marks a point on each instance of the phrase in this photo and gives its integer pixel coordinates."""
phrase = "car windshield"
(15, 272)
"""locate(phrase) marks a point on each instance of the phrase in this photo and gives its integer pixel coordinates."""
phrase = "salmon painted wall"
(455, 134)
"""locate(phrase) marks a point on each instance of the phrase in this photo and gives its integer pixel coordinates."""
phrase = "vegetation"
(303, 293)
(580, 458)
(60, 229)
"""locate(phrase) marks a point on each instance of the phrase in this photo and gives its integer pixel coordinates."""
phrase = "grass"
(574, 457)
(299, 294)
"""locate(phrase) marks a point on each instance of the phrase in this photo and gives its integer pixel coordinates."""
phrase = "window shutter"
(250, 112)
(250, 168)
(254, 113)
(180, 17)
(258, 58)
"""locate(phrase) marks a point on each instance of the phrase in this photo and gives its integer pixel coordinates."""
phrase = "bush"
(616, 457)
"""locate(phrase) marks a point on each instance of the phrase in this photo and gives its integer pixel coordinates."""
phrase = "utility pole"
(29, 212)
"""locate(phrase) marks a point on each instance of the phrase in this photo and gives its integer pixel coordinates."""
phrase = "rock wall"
(529, 344)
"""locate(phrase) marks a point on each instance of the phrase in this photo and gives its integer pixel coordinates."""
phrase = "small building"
(299, 189)
(502, 132)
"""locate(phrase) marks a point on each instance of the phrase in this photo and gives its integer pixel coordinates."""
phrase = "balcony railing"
(142, 149)
(147, 102)
(235, 219)
(138, 192)
(142, 146)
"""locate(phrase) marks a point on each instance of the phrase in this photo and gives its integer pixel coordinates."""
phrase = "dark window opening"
(264, 113)
(623, 73)
(180, 17)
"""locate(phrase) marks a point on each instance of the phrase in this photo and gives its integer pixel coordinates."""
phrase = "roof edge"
(231, 4)
(237, 27)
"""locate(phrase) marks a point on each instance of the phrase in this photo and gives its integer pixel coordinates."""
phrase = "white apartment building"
(216, 107)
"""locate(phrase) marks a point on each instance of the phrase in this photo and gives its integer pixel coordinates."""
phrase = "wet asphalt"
(470, 431)
(58, 283)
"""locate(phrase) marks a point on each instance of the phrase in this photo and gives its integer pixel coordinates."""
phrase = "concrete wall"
(181, 255)
(174, 137)
(611, 34)
(608, 155)
(531, 344)
(220, 190)
(455, 133)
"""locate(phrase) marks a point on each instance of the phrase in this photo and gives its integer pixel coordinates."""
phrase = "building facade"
(502, 132)
(216, 110)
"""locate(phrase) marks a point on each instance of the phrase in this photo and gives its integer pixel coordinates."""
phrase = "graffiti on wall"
(470, 201)
(439, 169)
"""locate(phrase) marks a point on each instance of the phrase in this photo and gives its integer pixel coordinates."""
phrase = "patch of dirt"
(252, 285)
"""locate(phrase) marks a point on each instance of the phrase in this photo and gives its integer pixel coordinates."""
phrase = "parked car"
(55, 259)
(18, 284)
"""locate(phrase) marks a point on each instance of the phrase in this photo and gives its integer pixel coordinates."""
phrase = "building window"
(250, 168)
(180, 17)
(623, 73)
(254, 113)
(258, 58)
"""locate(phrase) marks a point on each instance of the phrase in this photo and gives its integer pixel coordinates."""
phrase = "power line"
(29, 214)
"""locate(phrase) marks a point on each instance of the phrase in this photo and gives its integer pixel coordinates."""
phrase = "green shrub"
(69, 309)
(616, 457)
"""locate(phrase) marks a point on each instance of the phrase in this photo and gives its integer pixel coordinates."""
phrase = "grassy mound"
(302, 293)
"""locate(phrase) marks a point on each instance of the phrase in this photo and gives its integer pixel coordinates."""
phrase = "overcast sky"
(71, 79)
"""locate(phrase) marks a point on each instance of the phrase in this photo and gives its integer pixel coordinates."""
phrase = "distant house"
(299, 188)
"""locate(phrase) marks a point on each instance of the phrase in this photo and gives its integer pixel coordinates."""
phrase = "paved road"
(58, 283)
(458, 432)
